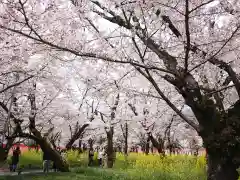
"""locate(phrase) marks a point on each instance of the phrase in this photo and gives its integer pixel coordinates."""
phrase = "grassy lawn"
(135, 167)
(104, 174)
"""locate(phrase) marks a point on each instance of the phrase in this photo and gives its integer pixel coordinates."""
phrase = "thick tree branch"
(219, 90)
(33, 110)
(86, 55)
(155, 85)
(76, 136)
(169, 61)
(15, 120)
(16, 84)
(23, 135)
(187, 47)
(213, 60)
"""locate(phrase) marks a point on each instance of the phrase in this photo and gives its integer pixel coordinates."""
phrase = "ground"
(135, 167)
(95, 174)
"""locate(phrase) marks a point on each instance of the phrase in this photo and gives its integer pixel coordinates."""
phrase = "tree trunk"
(110, 151)
(223, 145)
(126, 139)
(126, 145)
(147, 146)
(216, 170)
(5, 150)
(80, 150)
(60, 162)
(152, 148)
(143, 148)
(3, 155)
(90, 143)
(159, 145)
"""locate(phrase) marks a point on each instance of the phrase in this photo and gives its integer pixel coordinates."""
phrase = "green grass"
(135, 167)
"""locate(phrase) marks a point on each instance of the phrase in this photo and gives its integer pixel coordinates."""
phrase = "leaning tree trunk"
(110, 150)
(60, 162)
(46, 147)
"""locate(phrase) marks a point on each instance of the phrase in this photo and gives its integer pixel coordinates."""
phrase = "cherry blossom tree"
(148, 127)
(109, 121)
(189, 48)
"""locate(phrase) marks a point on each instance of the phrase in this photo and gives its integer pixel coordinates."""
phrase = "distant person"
(100, 157)
(15, 158)
(63, 153)
(90, 157)
(46, 161)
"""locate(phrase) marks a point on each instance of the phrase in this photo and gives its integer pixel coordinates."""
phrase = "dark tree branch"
(201, 5)
(16, 84)
(15, 120)
(220, 90)
(33, 111)
(23, 135)
(76, 136)
(86, 55)
(155, 85)
(213, 60)
(187, 47)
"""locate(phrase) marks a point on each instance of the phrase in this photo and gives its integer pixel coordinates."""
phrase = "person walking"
(46, 162)
(90, 157)
(100, 157)
(15, 158)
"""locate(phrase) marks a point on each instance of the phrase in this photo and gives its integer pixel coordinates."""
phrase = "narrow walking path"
(7, 173)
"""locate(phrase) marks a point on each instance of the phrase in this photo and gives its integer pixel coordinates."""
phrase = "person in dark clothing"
(46, 161)
(15, 158)
(54, 163)
(100, 157)
(90, 157)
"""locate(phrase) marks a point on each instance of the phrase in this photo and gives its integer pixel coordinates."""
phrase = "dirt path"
(7, 173)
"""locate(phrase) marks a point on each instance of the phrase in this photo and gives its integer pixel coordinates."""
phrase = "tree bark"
(126, 139)
(159, 145)
(60, 162)
(223, 146)
(221, 171)
(110, 150)
(5, 150)
(80, 150)
(147, 146)
(126, 147)
(3, 154)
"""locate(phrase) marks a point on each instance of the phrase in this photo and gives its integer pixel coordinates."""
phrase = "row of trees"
(179, 52)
